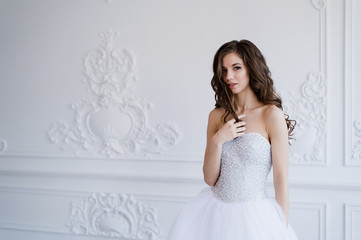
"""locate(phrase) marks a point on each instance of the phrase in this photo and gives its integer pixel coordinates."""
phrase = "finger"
(240, 124)
(240, 134)
(241, 116)
(232, 120)
(241, 130)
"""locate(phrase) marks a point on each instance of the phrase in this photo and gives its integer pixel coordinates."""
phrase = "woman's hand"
(215, 138)
(230, 130)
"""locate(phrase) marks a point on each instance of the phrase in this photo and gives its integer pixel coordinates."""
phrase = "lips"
(231, 85)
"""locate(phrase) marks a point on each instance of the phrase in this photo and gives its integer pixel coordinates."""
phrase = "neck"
(245, 100)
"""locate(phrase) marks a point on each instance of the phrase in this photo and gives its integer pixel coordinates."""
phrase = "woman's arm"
(216, 136)
(212, 156)
(278, 133)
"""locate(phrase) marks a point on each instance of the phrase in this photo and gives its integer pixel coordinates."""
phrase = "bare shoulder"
(274, 120)
(215, 118)
(216, 114)
(273, 113)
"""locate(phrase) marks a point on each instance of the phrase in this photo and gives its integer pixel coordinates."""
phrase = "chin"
(236, 91)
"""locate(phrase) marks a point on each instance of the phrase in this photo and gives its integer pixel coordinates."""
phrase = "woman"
(247, 134)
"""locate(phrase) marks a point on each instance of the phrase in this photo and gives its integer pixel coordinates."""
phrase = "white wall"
(71, 149)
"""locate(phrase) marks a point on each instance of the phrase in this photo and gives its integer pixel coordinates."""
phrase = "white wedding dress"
(237, 207)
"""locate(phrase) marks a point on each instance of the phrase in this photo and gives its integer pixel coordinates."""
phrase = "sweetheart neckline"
(260, 135)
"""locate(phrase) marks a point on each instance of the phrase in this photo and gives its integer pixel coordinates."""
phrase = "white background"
(313, 49)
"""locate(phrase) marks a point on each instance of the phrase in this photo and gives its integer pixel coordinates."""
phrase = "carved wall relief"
(309, 107)
(113, 215)
(3, 145)
(356, 150)
(112, 122)
(309, 110)
(352, 86)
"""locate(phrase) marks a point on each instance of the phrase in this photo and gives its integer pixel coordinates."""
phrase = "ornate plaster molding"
(352, 214)
(319, 4)
(113, 215)
(309, 109)
(3, 145)
(356, 150)
(112, 122)
(352, 126)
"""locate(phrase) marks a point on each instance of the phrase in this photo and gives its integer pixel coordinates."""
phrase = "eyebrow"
(234, 64)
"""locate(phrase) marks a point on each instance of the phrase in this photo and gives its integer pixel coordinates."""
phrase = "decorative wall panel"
(310, 111)
(113, 215)
(352, 222)
(112, 122)
(315, 213)
(309, 106)
(352, 83)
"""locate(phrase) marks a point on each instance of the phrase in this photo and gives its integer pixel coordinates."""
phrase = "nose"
(229, 76)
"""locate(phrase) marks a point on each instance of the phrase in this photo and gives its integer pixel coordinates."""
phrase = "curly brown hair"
(260, 79)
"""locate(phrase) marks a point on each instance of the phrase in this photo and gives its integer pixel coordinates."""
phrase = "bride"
(247, 134)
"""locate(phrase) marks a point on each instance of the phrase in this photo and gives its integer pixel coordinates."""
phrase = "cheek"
(243, 76)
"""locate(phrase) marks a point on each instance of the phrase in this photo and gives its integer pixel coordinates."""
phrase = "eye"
(224, 70)
(237, 68)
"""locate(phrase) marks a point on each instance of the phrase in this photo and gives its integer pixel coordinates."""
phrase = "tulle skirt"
(207, 218)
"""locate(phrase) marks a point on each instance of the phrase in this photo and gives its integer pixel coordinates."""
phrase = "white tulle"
(207, 218)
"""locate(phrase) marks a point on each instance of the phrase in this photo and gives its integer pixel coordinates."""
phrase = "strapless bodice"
(246, 162)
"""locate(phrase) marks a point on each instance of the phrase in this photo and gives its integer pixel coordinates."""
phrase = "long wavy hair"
(260, 79)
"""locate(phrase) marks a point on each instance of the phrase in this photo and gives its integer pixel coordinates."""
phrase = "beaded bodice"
(245, 164)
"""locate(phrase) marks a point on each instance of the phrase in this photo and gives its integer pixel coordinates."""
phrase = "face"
(234, 73)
